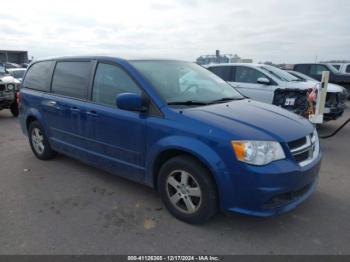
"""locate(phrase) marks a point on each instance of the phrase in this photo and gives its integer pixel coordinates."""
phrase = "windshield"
(18, 73)
(180, 82)
(301, 76)
(279, 73)
(336, 66)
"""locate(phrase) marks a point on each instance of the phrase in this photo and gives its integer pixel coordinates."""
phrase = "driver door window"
(110, 81)
(247, 75)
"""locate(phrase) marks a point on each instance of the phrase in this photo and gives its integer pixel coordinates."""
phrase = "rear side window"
(110, 81)
(38, 76)
(71, 79)
(222, 71)
(248, 75)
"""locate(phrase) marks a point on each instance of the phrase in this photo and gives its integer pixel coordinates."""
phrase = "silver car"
(260, 82)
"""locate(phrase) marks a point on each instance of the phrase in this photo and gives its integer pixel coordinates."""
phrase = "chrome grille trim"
(311, 146)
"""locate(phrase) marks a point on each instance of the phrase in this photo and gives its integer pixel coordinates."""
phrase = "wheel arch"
(184, 146)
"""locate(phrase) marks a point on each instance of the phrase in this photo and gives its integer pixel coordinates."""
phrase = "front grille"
(297, 143)
(305, 149)
(302, 156)
(2, 88)
(285, 198)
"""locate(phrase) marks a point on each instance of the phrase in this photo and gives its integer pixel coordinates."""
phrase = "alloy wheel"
(183, 191)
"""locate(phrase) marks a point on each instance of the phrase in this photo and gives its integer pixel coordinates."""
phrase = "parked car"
(24, 65)
(335, 99)
(9, 65)
(203, 148)
(315, 71)
(17, 73)
(272, 85)
(342, 67)
(8, 88)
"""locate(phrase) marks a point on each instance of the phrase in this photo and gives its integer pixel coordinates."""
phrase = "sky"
(288, 31)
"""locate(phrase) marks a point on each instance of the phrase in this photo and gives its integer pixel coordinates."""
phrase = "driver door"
(115, 135)
(246, 82)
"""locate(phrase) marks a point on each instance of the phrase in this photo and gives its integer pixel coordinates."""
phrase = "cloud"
(281, 31)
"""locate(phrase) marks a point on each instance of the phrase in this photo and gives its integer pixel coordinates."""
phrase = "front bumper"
(6, 99)
(273, 189)
(333, 113)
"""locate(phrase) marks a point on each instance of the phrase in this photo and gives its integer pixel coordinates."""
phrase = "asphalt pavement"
(65, 207)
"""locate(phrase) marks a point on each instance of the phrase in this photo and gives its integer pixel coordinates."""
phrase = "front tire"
(39, 142)
(188, 190)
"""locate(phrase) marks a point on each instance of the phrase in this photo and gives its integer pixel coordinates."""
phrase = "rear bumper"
(268, 191)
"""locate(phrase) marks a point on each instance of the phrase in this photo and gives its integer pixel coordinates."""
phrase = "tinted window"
(71, 79)
(336, 66)
(347, 70)
(39, 76)
(318, 69)
(247, 75)
(110, 81)
(301, 68)
(222, 71)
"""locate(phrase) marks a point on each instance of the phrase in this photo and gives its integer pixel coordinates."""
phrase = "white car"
(17, 73)
(8, 88)
(260, 82)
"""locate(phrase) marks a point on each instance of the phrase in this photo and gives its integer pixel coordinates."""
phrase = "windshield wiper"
(188, 103)
(225, 99)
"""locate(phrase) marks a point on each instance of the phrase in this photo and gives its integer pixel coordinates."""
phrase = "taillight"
(18, 99)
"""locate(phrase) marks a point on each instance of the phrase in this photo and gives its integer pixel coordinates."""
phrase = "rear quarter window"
(71, 79)
(38, 76)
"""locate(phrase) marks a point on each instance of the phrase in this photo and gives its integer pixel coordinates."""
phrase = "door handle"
(92, 113)
(52, 104)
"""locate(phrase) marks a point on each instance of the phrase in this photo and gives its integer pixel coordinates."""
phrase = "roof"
(234, 64)
(101, 57)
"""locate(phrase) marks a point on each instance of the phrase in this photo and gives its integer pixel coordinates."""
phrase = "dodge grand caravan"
(174, 126)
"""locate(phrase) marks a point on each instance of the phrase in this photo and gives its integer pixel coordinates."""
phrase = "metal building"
(13, 56)
(219, 59)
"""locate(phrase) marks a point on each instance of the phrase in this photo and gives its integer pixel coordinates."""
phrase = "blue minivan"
(174, 126)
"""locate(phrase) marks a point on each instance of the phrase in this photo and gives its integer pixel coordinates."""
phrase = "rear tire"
(39, 142)
(188, 190)
(14, 109)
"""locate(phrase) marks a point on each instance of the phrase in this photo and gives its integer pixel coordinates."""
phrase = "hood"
(251, 120)
(332, 88)
(9, 80)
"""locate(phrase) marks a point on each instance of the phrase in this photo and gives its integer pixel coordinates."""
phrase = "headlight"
(258, 152)
(10, 87)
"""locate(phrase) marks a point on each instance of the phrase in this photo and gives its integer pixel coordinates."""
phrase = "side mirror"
(263, 80)
(131, 102)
